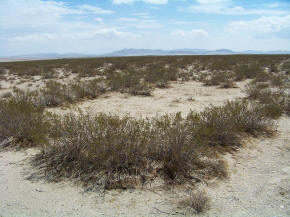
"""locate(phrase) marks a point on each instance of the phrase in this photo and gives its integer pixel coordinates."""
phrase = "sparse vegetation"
(197, 202)
(104, 151)
(106, 148)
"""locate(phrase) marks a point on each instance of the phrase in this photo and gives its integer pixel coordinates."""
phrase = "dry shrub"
(57, 94)
(256, 90)
(23, 121)
(246, 71)
(228, 84)
(173, 147)
(223, 125)
(2, 71)
(277, 80)
(286, 67)
(287, 106)
(99, 149)
(106, 150)
(140, 89)
(54, 94)
(162, 84)
(6, 95)
(86, 89)
(197, 202)
(124, 79)
(272, 102)
(217, 78)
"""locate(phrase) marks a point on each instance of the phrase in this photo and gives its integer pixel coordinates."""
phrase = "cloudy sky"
(101, 26)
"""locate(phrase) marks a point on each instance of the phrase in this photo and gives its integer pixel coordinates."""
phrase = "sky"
(103, 26)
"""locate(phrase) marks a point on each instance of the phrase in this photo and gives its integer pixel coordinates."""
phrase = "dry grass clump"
(23, 121)
(197, 202)
(106, 150)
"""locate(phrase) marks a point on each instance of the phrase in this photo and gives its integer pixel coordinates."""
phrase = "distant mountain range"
(145, 52)
(139, 52)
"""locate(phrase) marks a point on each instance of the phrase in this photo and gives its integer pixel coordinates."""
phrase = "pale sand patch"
(259, 184)
(180, 97)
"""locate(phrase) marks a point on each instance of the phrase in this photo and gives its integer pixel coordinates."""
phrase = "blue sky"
(101, 26)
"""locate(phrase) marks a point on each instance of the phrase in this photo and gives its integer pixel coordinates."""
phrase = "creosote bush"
(273, 102)
(107, 150)
(23, 121)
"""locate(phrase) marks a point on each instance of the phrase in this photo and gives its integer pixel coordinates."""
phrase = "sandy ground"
(258, 184)
(180, 97)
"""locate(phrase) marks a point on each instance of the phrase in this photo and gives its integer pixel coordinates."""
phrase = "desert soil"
(258, 182)
(180, 97)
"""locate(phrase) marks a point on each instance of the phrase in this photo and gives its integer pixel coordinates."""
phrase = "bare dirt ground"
(180, 97)
(258, 183)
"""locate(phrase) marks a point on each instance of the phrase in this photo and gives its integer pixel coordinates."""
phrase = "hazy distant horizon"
(142, 52)
(98, 27)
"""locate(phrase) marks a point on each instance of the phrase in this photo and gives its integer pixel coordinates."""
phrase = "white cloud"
(210, 1)
(181, 22)
(99, 19)
(143, 15)
(123, 1)
(39, 13)
(227, 8)
(43, 26)
(95, 10)
(100, 33)
(261, 26)
(156, 2)
(200, 33)
(139, 23)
